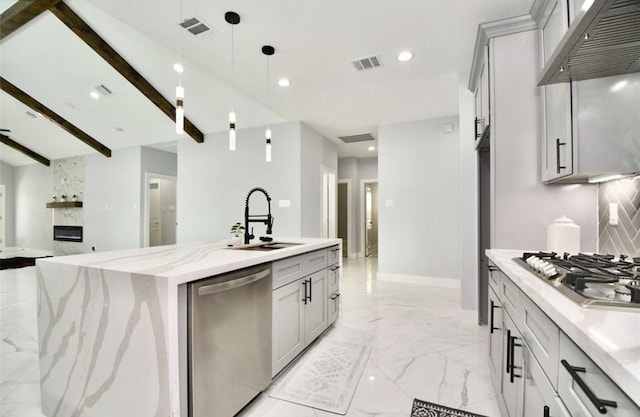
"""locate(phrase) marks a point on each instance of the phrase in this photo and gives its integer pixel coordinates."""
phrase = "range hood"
(602, 41)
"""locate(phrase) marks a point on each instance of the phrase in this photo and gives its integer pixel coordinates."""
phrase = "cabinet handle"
(305, 292)
(508, 350)
(597, 402)
(545, 411)
(492, 268)
(558, 145)
(511, 367)
(478, 121)
(493, 307)
(335, 268)
(335, 250)
(335, 296)
(310, 287)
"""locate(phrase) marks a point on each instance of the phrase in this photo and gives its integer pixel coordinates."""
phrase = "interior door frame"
(350, 232)
(148, 176)
(329, 224)
(363, 226)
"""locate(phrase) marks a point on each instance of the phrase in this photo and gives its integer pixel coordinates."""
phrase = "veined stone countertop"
(187, 262)
(611, 337)
(112, 326)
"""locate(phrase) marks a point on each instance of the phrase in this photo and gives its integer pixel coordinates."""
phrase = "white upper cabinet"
(588, 128)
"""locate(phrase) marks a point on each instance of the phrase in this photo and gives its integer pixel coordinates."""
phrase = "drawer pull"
(335, 296)
(545, 411)
(335, 268)
(492, 268)
(310, 286)
(493, 307)
(306, 297)
(601, 405)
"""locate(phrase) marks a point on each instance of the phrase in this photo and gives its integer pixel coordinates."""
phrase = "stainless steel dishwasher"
(229, 341)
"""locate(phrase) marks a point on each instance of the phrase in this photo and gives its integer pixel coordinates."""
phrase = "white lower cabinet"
(512, 367)
(537, 369)
(302, 310)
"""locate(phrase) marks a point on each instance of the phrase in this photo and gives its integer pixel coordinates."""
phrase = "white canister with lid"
(563, 235)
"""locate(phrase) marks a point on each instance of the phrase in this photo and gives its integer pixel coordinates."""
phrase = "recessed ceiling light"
(94, 94)
(178, 68)
(405, 56)
(372, 148)
(283, 82)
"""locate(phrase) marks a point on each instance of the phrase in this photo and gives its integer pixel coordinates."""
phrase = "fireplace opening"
(67, 233)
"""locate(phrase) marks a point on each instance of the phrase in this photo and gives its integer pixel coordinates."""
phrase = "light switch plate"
(613, 214)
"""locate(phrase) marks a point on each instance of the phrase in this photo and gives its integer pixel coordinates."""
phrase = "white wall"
(6, 178)
(418, 169)
(112, 200)
(33, 221)
(213, 182)
(316, 151)
(468, 200)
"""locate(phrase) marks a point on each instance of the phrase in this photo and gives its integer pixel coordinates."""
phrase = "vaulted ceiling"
(315, 42)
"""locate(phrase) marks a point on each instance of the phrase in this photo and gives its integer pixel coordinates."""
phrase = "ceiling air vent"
(363, 137)
(367, 63)
(196, 27)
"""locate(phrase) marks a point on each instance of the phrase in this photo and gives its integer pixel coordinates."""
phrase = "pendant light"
(233, 19)
(268, 50)
(179, 89)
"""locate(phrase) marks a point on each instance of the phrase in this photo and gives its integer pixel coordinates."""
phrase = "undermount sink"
(266, 246)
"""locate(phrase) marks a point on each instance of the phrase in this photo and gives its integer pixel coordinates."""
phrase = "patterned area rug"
(326, 377)
(425, 409)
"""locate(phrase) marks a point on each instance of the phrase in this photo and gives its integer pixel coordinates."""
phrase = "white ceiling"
(315, 42)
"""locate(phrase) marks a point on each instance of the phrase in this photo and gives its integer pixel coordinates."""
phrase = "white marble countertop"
(187, 262)
(611, 337)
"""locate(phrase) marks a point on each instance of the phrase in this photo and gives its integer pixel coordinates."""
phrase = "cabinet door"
(288, 324)
(315, 314)
(557, 143)
(539, 397)
(512, 368)
(495, 339)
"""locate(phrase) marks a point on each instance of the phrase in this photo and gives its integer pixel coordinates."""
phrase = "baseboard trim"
(419, 279)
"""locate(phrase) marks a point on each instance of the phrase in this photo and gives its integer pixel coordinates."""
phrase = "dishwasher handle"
(234, 283)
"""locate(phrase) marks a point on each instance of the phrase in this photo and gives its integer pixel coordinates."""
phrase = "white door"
(155, 219)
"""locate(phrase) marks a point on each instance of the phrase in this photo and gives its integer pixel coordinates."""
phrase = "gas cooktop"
(590, 280)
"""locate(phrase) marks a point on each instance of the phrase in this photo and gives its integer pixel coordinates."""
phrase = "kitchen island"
(110, 324)
(608, 337)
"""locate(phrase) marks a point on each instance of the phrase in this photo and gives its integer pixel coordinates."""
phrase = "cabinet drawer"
(510, 296)
(494, 277)
(333, 255)
(576, 397)
(538, 391)
(542, 336)
(333, 306)
(290, 269)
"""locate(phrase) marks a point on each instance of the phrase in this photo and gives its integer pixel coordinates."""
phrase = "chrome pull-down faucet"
(257, 218)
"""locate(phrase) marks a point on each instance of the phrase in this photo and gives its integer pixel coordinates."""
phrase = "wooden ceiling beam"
(34, 104)
(102, 48)
(21, 13)
(21, 148)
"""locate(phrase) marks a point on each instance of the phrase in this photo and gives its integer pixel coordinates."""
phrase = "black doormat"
(426, 409)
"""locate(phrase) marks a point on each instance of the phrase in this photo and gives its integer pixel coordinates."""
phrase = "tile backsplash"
(624, 238)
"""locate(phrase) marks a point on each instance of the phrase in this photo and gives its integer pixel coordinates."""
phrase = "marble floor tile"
(423, 346)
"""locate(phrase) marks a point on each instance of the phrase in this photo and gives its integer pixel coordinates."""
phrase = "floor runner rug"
(426, 409)
(326, 377)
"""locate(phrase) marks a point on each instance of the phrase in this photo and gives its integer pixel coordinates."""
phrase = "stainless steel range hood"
(603, 40)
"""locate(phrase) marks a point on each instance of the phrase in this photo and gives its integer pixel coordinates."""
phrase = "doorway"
(344, 215)
(369, 194)
(329, 202)
(160, 210)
